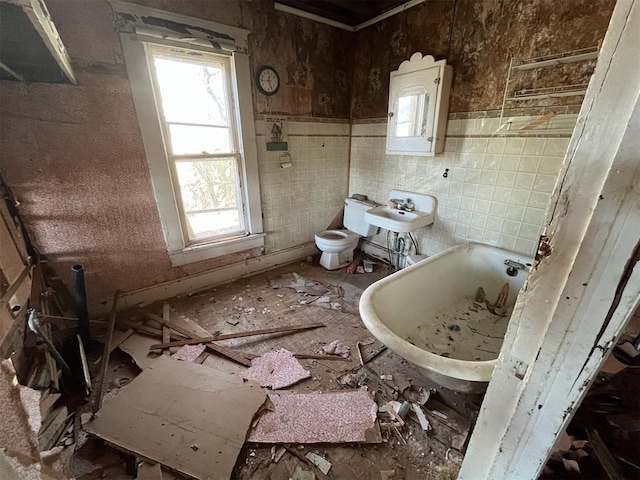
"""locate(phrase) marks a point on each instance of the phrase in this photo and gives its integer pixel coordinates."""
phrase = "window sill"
(218, 249)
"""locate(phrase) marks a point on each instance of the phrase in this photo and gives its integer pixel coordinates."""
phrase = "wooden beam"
(166, 333)
(40, 18)
(227, 336)
(17, 283)
(238, 357)
(314, 356)
(607, 460)
(105, 354)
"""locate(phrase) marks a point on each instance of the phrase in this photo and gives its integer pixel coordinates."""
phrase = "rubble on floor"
(157, 403)
(602, 439)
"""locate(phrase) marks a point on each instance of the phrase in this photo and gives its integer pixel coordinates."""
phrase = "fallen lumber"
(166, 333)
(318, 356)
(227, 336)
(102, 377)
(238, 357)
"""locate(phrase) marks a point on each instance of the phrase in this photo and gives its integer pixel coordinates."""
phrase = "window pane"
(203, 226)
(192, 93)
(210, 197)
(194, 140)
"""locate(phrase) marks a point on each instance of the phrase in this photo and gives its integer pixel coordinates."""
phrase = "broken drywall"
(316, 417)
(192, 418)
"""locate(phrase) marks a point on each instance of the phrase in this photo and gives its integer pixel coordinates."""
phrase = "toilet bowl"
(337, 246)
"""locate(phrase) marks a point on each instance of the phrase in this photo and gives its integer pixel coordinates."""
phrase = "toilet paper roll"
(286, 165)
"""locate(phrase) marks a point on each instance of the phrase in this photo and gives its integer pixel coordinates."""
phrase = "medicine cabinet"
(418, 106)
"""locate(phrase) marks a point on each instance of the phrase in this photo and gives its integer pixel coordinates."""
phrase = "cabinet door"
(412, 108)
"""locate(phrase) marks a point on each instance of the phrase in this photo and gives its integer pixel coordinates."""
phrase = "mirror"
(411, 110)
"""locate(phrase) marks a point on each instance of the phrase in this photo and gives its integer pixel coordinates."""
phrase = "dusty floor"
(264, 301)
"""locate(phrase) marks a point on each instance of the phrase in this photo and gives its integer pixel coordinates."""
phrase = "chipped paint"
(478, 38)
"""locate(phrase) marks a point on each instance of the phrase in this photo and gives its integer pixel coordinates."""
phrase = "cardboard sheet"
(316, 417)
(189, 417)
(137, 347)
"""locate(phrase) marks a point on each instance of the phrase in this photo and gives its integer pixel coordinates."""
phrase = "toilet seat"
(335, 240)
(332, 235)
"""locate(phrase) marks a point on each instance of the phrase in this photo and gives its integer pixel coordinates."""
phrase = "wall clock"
(267, 80)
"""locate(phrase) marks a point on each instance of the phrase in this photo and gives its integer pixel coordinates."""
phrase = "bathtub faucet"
(513, 267)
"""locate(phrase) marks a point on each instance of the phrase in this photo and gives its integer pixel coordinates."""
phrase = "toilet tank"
(354, 217)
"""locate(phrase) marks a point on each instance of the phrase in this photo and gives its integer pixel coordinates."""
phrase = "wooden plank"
(314, 356)
(45, 305)
(166, 334)
(607, 460)
(53, 428)
(231, 354)
(14, 230)
(11, 262)
(198, 329)
(16, 285)
(105, 354)
(227, 336)
(241, 358)
(47, 401)
(121, 338)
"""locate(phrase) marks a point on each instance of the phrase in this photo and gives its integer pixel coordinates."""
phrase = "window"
(193, 97)
(194, 106)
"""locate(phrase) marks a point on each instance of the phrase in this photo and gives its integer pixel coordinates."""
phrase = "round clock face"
(268, 80)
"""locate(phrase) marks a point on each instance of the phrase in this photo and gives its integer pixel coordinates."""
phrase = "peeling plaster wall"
(477, 37)
(74, 155)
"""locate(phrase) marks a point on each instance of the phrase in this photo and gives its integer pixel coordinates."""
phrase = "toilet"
(337, 246)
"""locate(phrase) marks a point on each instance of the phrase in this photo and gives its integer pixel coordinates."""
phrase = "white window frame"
(151, 127)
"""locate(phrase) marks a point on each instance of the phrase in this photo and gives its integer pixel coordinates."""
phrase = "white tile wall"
(496, 191)
(300, 201)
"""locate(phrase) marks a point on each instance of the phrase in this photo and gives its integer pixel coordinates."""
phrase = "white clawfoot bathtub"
(428, 313)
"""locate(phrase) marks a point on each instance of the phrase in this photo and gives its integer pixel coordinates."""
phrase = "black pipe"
(82, 309)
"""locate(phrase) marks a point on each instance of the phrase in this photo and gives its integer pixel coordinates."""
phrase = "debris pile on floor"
(602, 439)
(337, 348)
(168, 395)
(313, 293)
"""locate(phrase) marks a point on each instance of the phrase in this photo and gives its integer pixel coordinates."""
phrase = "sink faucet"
(406, 204)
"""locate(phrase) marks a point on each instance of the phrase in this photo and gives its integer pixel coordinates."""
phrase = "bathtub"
(428, 313)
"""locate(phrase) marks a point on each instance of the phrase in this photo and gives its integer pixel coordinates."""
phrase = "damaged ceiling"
(349, 12)
(30, 48)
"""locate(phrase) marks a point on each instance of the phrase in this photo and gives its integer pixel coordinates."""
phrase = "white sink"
(398, 220)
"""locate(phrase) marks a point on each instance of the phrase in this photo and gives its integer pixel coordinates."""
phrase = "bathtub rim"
(469, 370)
